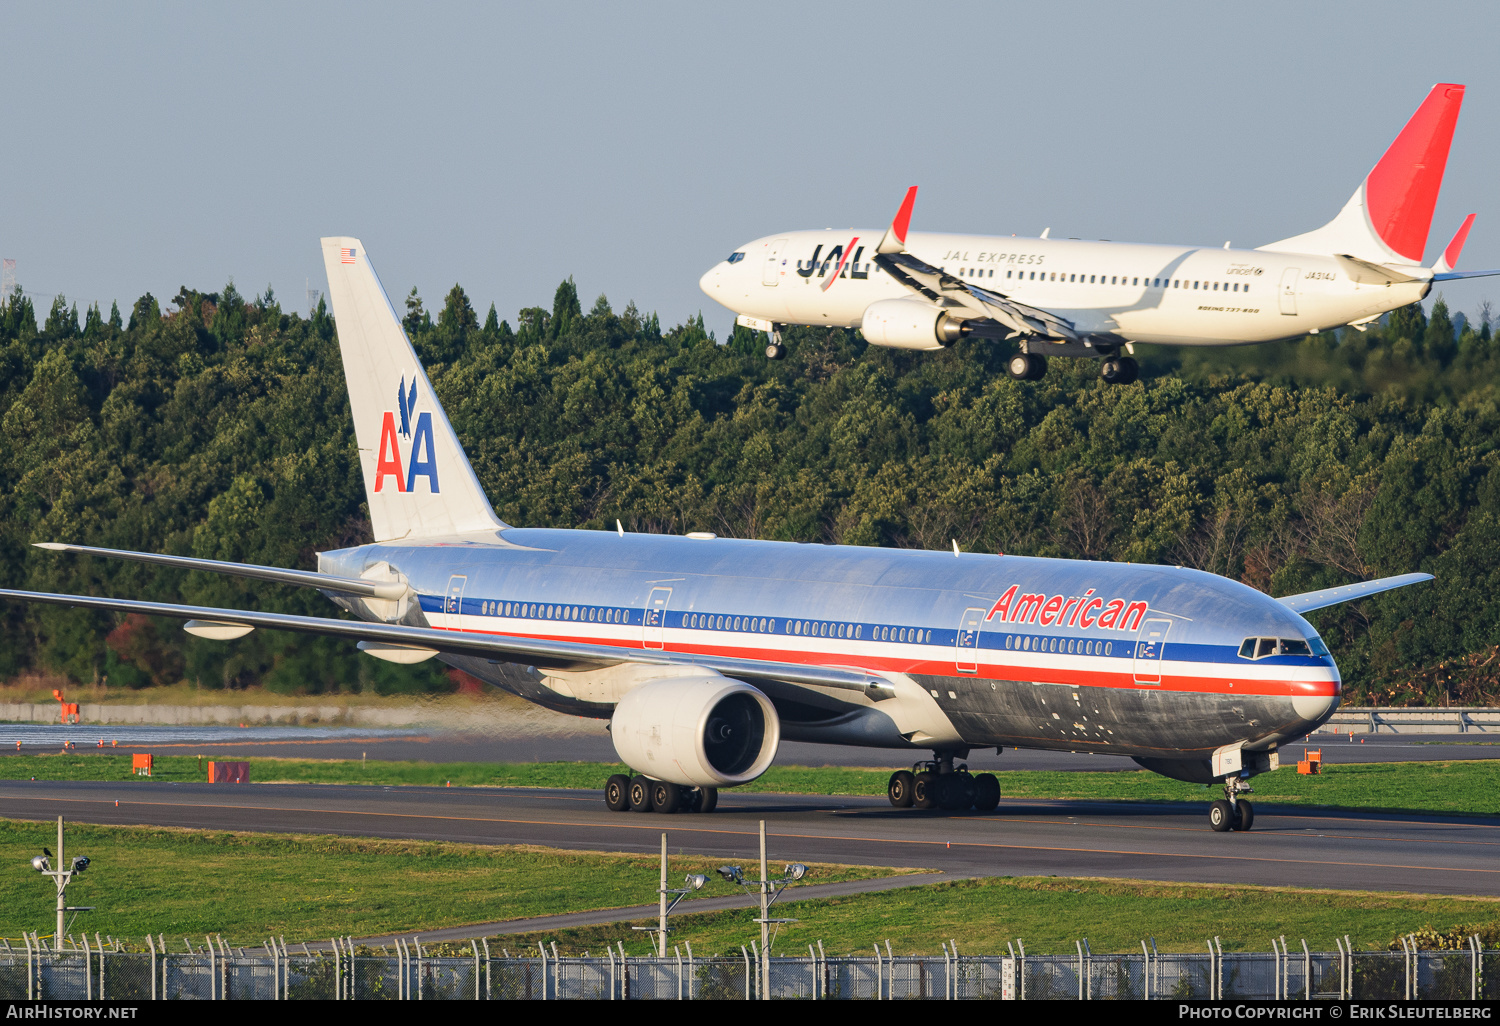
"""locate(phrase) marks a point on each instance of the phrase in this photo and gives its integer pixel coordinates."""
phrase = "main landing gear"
(642, 794)
(1232, 812)
(939, 785)
(1119, 370)
(1027, 366)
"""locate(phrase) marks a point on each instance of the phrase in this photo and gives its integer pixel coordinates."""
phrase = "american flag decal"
(346, 255)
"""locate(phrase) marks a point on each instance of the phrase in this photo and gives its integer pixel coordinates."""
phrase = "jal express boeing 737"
(703, 652)
(1066, 297)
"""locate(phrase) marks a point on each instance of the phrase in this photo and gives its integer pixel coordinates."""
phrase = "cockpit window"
(735, 258)
(1260, 648)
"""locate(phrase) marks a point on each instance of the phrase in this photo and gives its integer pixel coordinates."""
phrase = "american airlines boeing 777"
(704, 652)
(1067, 297)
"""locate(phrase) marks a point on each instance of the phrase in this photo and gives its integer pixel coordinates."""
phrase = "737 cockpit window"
(735, 258)
(1260, 648)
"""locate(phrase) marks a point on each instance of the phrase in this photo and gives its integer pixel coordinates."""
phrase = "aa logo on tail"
(421, 456)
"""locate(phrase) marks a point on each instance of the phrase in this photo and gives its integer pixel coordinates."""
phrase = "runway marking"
(806, 837)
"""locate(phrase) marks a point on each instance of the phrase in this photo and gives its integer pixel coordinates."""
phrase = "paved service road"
(1366, 851)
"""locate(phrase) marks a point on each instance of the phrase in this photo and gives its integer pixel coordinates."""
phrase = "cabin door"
(655, 623)
(1289, 279)
(966, 651)
(1149, 645)
(453, 602)
(771, 273)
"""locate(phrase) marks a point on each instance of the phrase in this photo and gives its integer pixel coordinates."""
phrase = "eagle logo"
(406, 402)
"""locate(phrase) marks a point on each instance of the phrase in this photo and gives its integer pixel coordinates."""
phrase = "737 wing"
(938, 286)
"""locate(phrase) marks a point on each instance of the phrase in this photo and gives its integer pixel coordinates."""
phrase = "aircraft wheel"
(924, 790)
(899, 790)
(617, 793)
(1221, 816)
(666, 797)
(640, 794)
(986, 792)
(1027, 367)
(1111, 372)
(1130, 369)
(1247, 815)
(708, 798)
(775, 351)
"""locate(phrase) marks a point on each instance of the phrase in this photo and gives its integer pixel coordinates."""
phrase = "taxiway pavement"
(1289, 846)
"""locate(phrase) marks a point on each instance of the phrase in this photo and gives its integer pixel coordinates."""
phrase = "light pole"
(770, 890)
(43, 864)
(691, 883)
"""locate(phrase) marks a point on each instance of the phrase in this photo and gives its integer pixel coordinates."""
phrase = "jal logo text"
(421, 456)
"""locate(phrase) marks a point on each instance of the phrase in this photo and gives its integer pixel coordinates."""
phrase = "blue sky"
(507, 147)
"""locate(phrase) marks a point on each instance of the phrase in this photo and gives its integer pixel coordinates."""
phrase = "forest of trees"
(218, 427)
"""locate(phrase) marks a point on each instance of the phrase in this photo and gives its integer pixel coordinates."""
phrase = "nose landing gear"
(775, 348)
(1232, 812)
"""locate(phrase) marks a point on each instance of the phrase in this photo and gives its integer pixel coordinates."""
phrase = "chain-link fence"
(344, 971)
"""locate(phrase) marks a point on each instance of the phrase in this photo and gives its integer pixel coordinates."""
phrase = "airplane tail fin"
(1387, 219)
(417, 479)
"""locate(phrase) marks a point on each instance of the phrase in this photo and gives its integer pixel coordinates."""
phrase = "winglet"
(894, 239)
(1450, 256)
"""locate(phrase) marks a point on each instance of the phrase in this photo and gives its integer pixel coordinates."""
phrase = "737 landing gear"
(938, 785)
(642, 794)
(1027, 366)
(775, 348)
(1119, 370)
(1232, 812)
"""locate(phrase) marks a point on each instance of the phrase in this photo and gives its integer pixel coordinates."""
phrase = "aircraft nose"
(710, 281)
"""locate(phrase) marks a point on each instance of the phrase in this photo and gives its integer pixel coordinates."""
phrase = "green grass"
(1049, 914)
(1457, 787)
(248, 886)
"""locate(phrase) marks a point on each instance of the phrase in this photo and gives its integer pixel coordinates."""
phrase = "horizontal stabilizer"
(498, 647)
(298, 578)
(1310, 600)
(1456, 275)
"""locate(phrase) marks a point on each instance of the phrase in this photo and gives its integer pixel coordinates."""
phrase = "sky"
(506, 147)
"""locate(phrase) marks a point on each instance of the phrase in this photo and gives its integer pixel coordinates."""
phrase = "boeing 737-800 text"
(1067, 297)
(703, 652)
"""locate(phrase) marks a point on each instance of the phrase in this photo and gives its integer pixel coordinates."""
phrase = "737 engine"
(910, 324)
(705, 731)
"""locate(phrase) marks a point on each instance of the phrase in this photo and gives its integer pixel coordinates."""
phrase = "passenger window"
(1266, 647)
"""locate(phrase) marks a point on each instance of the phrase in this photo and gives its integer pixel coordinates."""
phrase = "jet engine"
(705, 731)
(910, 324)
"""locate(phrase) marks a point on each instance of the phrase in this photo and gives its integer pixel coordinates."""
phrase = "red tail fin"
(1402, 191)
(1387, 219)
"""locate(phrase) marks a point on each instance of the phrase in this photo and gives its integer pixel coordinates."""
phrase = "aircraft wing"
(1310, 600)
(499, 647)
(937, 285)
(281, 575)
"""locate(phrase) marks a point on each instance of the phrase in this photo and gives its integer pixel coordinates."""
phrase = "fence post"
(1340, 945)
(692, 969)
(31, 972)
(1021, 967)
(1474, 968)
(1145, 972)
(1306, 972)
(746, 955)
(489, 969)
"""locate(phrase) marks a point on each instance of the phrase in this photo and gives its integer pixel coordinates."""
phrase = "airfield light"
(734, 874)
(43, 864)
(695, 881)
(796, 871)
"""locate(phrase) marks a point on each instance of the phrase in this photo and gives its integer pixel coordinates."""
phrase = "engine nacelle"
(910, 324)
(705, 731)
